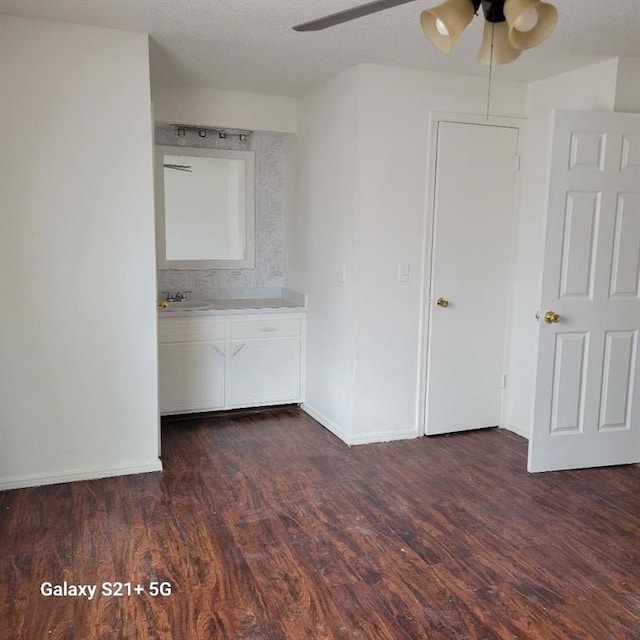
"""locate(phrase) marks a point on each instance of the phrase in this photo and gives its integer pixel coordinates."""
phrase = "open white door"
(587, 406)
(472, 234)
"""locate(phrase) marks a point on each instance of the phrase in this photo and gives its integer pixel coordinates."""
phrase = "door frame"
(435, 118)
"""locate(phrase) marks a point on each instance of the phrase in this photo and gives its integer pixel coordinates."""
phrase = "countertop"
(225, 306)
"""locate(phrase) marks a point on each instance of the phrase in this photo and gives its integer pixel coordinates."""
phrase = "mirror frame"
(249, 158)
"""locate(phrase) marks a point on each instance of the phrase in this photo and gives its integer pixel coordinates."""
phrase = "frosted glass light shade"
(441, 27)
(518, 14)
(453, 15)
(527, 20)
(503, 52)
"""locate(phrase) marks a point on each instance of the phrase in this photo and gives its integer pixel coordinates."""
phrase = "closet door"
(472, 232)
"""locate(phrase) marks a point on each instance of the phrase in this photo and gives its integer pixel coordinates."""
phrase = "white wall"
(590, 88)
(78, 355)
(393, 154)
(628, 85)
(322, 243)
(219, 108)
(370, 128)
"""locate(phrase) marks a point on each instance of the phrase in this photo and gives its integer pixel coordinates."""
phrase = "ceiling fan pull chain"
(493, 27)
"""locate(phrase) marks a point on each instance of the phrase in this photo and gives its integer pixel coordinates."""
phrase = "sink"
(252, 303)
(188, 305)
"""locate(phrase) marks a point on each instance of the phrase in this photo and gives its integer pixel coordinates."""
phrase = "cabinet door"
(191, 376)
(263, 372)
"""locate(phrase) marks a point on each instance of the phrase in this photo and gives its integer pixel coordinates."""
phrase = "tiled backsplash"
(270, 150)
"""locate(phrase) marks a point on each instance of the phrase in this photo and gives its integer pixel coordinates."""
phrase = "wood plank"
(269, 528)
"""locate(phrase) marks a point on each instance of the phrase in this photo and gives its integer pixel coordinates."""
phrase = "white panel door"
(587, 407)
(473, 212)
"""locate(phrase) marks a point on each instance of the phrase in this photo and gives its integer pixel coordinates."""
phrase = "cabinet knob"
(442, 302)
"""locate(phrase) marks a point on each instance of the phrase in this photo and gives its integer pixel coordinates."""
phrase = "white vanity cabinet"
(211, 362)
(191, 364)
(264, 361)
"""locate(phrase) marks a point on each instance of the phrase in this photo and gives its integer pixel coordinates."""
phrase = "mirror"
(205, 208)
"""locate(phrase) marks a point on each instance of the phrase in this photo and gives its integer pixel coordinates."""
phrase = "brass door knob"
(551, 317)
(442, 302)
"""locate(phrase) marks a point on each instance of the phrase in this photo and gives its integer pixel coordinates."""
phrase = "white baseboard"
(328, 424)
(384, 436)
(37, 480)
(521, 431)
(365, 438)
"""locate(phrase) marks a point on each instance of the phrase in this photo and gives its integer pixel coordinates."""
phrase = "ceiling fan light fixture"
(441, 28)
(510, 25)
(503, 51)
(444, 23)
(529, 21)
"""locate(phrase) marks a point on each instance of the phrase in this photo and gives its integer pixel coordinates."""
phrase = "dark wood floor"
(268, 528)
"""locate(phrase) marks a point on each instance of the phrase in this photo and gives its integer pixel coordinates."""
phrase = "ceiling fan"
(510, 25)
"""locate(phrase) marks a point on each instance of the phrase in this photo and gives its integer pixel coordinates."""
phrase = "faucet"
(179, 296)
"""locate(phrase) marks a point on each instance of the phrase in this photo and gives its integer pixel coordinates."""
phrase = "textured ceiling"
(248, 45)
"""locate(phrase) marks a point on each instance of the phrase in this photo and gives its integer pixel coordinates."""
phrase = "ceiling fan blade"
(349, 14)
